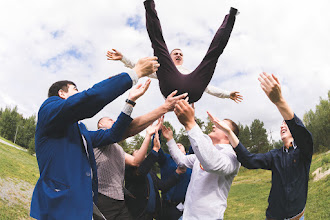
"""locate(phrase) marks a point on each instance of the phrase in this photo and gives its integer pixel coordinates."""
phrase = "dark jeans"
(169, 77)
(112, 209)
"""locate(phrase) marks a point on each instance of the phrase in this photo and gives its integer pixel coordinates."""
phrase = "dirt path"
(16, 191)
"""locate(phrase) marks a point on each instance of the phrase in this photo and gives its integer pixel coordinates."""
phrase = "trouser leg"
(205, 70)
(168, 75)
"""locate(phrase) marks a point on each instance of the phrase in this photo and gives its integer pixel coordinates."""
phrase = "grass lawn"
(247, 197)
(19, 173)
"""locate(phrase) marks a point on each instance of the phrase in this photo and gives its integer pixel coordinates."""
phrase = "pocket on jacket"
(54, 188)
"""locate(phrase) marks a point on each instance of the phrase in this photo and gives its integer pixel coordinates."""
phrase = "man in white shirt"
(214, 165)
(177, 58)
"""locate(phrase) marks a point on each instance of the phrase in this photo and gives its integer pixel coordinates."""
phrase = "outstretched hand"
(138, 91)
(171, 100)
(236, 96)
(271, 86)
(156, 146)
(114, 55)
(146, 66)
(167, 132)
(152, 129)
(185, 113)
(219, 124)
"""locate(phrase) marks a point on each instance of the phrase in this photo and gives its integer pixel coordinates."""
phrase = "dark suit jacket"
(136, 182)
(64, 189)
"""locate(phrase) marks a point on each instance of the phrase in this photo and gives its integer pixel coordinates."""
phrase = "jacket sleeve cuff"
(133, 76)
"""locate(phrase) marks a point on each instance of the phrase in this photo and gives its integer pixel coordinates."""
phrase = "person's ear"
(62, 94)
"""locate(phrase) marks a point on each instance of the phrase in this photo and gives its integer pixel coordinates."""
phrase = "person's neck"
(220, 141)
(288, 142)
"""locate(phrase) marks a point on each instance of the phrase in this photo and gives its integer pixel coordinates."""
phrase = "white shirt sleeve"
(178, 156)
(215, 91)
(213, 160)
(127, 62)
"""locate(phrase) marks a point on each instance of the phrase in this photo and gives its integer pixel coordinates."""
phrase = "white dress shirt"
(213, 170)
(212, 90)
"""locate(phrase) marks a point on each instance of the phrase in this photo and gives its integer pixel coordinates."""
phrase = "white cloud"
(289, 39)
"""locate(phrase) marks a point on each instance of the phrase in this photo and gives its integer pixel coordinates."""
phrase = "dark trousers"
(112, 209)
(170, 212)
(169, 77)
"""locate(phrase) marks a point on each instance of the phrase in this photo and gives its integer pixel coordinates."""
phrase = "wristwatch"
(130, 102)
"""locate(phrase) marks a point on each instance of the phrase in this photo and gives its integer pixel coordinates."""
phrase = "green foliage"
(8, 123)
(135, 144)
(31, 146)
(278, 144)
(183, 139)
(259, 141)
(16, 128)
(163, 140)
(207, 126)
(245, 135)
(318, 123)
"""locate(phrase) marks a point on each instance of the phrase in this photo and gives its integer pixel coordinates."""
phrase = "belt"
(297, 217)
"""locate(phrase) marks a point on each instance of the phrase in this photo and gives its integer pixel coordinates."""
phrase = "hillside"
(247, 197)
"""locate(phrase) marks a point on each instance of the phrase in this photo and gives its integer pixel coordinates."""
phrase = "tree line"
(16, 128)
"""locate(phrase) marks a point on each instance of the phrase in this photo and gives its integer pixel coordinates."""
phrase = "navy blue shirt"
(167, 165)
(290, 171)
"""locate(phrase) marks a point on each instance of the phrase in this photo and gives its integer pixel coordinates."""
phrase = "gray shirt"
(110, 162)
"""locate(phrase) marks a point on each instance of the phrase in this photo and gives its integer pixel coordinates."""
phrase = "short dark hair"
(57, 86)
(233, 126)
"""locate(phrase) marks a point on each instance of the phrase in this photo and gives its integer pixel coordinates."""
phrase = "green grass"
(13, 211)
(247, 197)
(16, 164)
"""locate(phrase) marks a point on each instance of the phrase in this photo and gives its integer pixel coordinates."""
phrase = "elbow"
(221, 170)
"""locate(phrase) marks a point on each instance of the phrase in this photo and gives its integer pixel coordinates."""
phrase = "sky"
(44, 41)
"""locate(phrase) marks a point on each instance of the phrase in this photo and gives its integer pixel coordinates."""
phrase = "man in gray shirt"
(111, 160)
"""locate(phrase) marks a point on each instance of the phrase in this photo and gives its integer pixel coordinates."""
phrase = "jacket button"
(88, 174)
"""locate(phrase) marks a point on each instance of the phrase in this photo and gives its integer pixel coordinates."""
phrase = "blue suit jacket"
(64, 189)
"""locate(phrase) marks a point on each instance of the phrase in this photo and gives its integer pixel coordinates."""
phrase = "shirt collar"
(293, 146)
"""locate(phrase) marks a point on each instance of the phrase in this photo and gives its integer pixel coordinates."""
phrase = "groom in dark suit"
(67, 185)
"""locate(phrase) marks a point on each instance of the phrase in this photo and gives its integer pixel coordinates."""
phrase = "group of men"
(87, 175)
(75, 180)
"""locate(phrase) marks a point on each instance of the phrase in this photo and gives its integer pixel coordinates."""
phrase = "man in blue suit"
(67, 186)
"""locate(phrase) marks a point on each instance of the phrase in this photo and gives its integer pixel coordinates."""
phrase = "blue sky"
(45, 41)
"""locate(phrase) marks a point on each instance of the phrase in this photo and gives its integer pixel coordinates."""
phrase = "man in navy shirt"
(290, 164)
(176, 195)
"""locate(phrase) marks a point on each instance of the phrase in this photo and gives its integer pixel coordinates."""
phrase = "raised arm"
(303, 138)
(139, 156)
(164, 186)
(142, 122)
(177, 155)
(247, 159)
(116, 55)
(272, 87)
(222, 162)
(220, 93)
